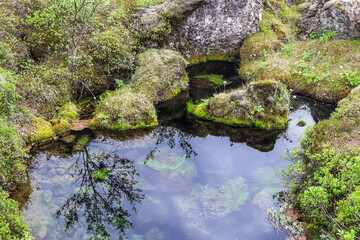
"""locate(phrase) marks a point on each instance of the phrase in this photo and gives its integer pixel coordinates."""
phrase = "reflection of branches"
(105, 180)
(172, 136)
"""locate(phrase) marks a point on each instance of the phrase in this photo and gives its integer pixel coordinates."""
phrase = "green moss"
(249, 106)
(309, 67)
(160, 75)
(68, 111)
(217, 79)
(124, 110)
(42, 130)
(60, 126)
(211, 56)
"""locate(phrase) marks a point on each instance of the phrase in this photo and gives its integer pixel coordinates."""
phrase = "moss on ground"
(324, 172)
(263, 104)
(124, 110)
(315, 68)
(341, 132)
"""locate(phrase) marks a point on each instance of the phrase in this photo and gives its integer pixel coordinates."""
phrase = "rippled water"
(182, 181)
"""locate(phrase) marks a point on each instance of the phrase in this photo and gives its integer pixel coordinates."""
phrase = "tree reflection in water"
(105, 182)
(172, 136)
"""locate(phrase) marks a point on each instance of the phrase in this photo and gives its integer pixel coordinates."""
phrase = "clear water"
(181, 181)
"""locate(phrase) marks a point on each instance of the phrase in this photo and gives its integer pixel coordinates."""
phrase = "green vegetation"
(323, 175)
(217, 79)
(42, 130)
(160, 76)
(322, 36)
(313, 67)
(12, 154)
(68, 111)
(124, 110)
(12, 226)
(60, 126)
(239, 107)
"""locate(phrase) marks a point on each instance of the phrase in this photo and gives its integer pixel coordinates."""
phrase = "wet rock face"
(342, 16)
(223, 24)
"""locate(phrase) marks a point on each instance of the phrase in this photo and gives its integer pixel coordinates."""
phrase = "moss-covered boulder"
(60, 126)
(124, 110)
(263, 104)
(161, 75)
(42, 130)
(68, 111)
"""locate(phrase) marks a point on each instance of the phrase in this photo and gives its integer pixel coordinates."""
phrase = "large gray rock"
(342, 16)
(154, 18)
(222, 25)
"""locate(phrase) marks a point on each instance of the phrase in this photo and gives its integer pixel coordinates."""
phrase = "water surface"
(187, 180)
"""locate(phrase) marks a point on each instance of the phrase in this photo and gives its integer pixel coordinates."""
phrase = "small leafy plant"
(256, 109)
(322, 36)
(352, 77)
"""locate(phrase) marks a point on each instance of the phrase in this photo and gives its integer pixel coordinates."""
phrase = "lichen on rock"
(161, 75)
(342, 16)
(263, 104)
(222, 25)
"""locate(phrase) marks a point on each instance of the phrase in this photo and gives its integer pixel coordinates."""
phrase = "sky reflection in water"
(200, 182)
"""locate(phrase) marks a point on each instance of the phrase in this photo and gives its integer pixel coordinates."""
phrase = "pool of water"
(185, 180)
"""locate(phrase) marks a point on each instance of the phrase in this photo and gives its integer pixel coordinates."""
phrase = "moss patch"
(42, 130)
(313, 67)
(263, 104)
(124, 110)
(341, 131)
(68, 111)
(60, 126)
(160, 76)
